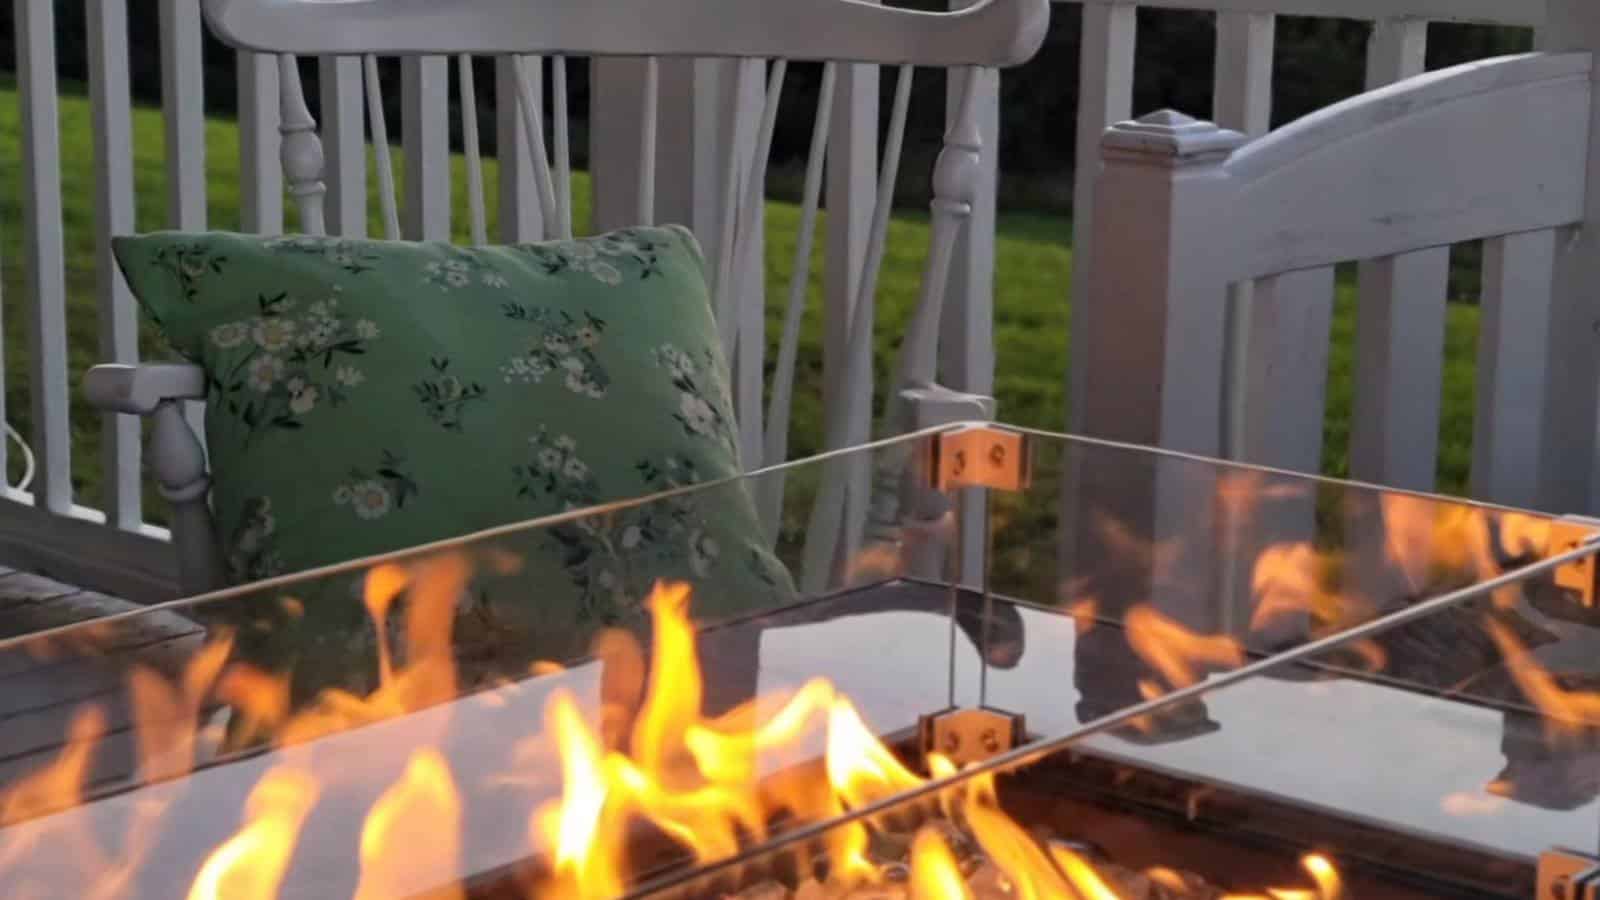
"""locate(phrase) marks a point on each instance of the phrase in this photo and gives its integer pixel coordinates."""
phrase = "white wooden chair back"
(1210, 301)
(1495, 151)
(532, 42)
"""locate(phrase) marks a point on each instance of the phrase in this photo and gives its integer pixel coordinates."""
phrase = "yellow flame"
(935, 875)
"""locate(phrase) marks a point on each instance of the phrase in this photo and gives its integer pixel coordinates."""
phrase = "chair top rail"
(1409, 166)
(988, 33)
(1529, 13)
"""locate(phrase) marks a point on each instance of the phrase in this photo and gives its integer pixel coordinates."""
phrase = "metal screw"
(997, 455)
(952, 742)
(1559, 886)
(990, 741)
(961, 462)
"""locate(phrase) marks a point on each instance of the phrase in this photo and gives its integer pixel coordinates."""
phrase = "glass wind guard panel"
(1107, 579)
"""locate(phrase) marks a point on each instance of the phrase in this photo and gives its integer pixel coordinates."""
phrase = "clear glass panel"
(415, 701)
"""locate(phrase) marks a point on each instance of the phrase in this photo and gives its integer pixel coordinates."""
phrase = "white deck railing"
(112, 547)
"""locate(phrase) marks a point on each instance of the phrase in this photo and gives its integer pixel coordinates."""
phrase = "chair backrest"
(751, 43)
(1496, 151)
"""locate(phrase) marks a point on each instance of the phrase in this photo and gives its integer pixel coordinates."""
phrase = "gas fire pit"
(1040, 667)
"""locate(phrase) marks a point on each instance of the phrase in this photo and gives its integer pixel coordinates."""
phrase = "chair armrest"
(138, 390)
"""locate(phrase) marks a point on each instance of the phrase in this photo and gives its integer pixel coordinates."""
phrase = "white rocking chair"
(524, 35)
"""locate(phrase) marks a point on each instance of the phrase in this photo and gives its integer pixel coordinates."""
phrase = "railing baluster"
(425, 135)
(344, 145)
(260, 172)
(850, 423)
(121, 493)
(44, 254)
(469, 137)
(529, 99)
(519, 207)
(380, 146)
(183, 104)
(781, 404)
(648, 116)
(1394, 432)
(563, 141)
(1105, 97)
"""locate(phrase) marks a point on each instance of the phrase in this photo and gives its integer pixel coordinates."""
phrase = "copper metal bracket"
(981, 456)
(1568, 875)
(970, 734)
(1581, 576)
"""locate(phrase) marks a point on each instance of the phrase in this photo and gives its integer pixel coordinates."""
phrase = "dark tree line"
(1318, 61)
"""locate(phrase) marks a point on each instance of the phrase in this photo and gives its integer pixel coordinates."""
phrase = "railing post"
(1568, 478)
(1153, 363)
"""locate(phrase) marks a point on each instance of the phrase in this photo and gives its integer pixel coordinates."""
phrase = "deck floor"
(45, 682)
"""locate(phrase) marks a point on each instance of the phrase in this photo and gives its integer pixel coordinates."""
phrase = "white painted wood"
(183, 109)
(425, 135)
(1242, 101)
(1515, 344)
(1399, 369)
(43, 253)
(649, 116)
(1400, 321)
(529, 99)
(561, 137)
(991, 33)
(1300, 204)
(300, 149)
(1155, 345)
(1491, 12)
(178, 464)
(1242, 92)
(1105, 96)
(260, 170)
(1567, 477)
(110, 102)
(469, 137)
(851, 196)
(344, 144)
(519, 219)
(966, 348)
(839, 511)
(781, 404)
(1286, 371)
(748, 363)
(387, 197)
(741, 126)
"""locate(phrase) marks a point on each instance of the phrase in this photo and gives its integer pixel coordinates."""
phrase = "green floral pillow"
(367, 396)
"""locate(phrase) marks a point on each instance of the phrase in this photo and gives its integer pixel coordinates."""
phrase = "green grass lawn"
(1033, 260)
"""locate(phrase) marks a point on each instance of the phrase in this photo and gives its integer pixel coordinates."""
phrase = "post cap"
(1170, 135)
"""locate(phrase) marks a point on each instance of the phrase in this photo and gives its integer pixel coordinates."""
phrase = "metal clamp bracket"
(981, 456)
(1582, 576)
(971, 734)
(1568, 875)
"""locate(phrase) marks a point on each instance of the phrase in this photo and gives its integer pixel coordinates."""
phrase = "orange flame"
(1174, 650)
(1566, 713)
(648, 754)
(412, 835)
(251, 864)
